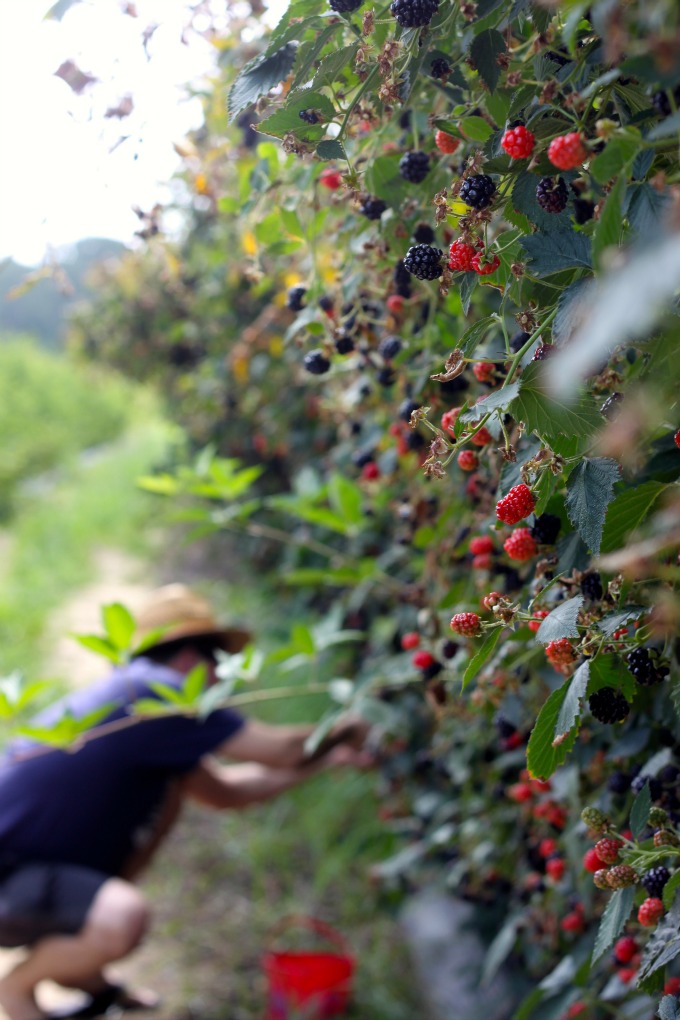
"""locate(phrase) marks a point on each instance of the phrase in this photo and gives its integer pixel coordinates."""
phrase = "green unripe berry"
(595, 819)
(657, 817)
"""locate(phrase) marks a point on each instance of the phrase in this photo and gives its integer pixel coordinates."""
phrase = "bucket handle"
(322, 928)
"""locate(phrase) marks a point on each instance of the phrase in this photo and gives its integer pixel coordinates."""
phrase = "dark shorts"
(45, 899)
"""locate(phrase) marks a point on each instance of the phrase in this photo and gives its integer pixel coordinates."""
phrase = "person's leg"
(114, 925)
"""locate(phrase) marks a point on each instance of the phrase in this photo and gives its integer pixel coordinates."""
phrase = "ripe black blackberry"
(385, 376)
(610, 406)
(545, 529)
(326, 303)
(477, 191)
(424, 262)
(414, 13)
(662, 104)
(552, 195)
(309, 116)
(591, 587)
(402, 280)
(316, 362)
(504, 727)
(363, 456)
(414, 166)
(608, 705)
(518, 340)
(669, 774)
(295, 299)
(344, 6)
(344, 343)
(655, 788)
(423, 234)
(449, 649)
(431, 671)
(619, 783)
(644, 668)
(439, 68)
(389, 347)
(406, 408)
(543, 351)
(372, 208)
(655, 879)
(584, 210)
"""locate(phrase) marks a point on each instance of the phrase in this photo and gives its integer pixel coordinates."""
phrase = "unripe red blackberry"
(517, 505)
(592, 861)
(608, 705)
(621, 876)
(482, 437)
(481, 544)
(414, 13)
(538, 617)
(410, 640)
(446, 143)
(555, 867)
(560, 652)
(372, 208)
(477, 191)
(520, 545)
(625, 949)
(484, 263)
(608, 850)
(518, 142)
(650, 912)
(665, 837)
(414, 166)
(552, 195)
(467, 460)
(567, 151)
(461, 255)
(467, 624)
(424, 262)
(422, 659)
(316, 362)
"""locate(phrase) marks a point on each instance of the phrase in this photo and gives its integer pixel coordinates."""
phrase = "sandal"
(113, 999)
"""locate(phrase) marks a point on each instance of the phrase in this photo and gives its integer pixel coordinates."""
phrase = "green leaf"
(613, 621)
(259, 76)
(561, 622)
(331, 148)
(474, 334)
(542, 757)
(99, 645)
(669, 1008)
(499, 400)
(670, 888)
(639, 813)
(590, 490)
(302, 639)
(345, 498)
(119, 625)
(551, 253)
(194, 683)
(606, 671)
(481, 655)
(573, 701)
(484, 52)
(476, 129)
(468, 285)
(287, 119)
(646, 208)
(610, 224)
(167, 693)
(384, 180)
(627, 512)
(668, 126)
(309, 52)
(613, 920)
(613, 158)
(664, 943)
(572, 553)
(500, 949)
(551, 417)
(332, 64)
(570, 310)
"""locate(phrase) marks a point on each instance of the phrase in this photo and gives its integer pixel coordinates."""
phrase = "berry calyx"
(481, 544)
(424, 262)
(520, 545)
(477, 191)
(650, 912)
(468, 460)
(467, 624)
(484, 264)
(518, 142)
(410, 640)
(461, 255)
(446, 143)
(517, 505)
(567, 151)
(329, 178)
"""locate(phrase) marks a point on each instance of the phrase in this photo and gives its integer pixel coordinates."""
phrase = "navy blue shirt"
(91, 806)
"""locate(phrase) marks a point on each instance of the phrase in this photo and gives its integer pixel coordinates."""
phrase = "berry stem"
(364, 88)
(522, 351)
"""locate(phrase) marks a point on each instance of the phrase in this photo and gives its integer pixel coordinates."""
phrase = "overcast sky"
(62, 174)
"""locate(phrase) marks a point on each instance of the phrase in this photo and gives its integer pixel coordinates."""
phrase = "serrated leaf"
(484, 52)
(613, 920)
(572, 704)
(481, 656)
(610, 224)
(646, 208)
(476, 129)
(561, 622)
(590, 490)
(664, 943)
(670, 888)
(549, 416)
(551, 253)
(331, 148)
(669, 1008)
(499, 400)
(287, 119)
(259, 76)
(468, 284)
(572, 553)
(613, 158)
(627, 512)
(607, 671)
(332, 64)
(542, 757)
(639, 813)
(613, 621)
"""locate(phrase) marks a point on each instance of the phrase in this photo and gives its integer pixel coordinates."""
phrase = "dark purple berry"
(591, 587)
(414, 166)
(372, 208)
(477, 191)
(310, 116)
(316, 362)
(610, 406)
(423, 234)
(545, 529)
(552, 194)
(655, 879)
(389, 347)
(344, 344)
(424, 262)
(414, 13)
(608, 705)
(439, 68)
(295, 299)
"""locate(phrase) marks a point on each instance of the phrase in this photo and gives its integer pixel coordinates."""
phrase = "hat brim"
(229, 639)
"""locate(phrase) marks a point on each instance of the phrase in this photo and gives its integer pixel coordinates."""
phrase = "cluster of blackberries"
(545, 529)
(424, 262)
(414, 13)
(477, 191)
(644, 668)
(414, 166)
(552, 195)
(372, 208)
(591, 586)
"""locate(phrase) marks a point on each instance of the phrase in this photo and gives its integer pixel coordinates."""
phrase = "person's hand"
(344, 756)
(352, 731)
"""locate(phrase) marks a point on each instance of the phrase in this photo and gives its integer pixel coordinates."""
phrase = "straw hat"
(175, 611)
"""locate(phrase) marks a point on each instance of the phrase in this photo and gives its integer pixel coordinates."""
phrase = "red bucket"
(307, 983)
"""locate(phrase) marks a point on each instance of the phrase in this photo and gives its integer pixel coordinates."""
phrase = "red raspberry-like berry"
(676, 438)
(513, 741)
(395, 303)
(520, 792)
(521, 545)
(483, 371)
(467, 624)
(467, 460)
(576, 1009)
(574, 921)
(672, 986)
(370, 471)
(331, 179)
(491, 600)
(625, 949)
(482, 438)
(567, 151)
(547, 847)
(518, 142)
(461, 256)
(650, 912)
(591, 861)
(535, 623)
(555, 867)
(626, 974)
(481, 544)
(449, 419)
(446, 143)
(517, 505)
(560, 652)
(422, 659)
(608, 850)
(484, 263)
(482, 562)
(622, 632)
(410, 640)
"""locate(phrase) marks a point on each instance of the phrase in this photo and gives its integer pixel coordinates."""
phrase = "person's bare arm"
(232, 787)
(284, 746)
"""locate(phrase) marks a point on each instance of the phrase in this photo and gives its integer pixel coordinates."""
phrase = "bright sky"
(62, 174)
